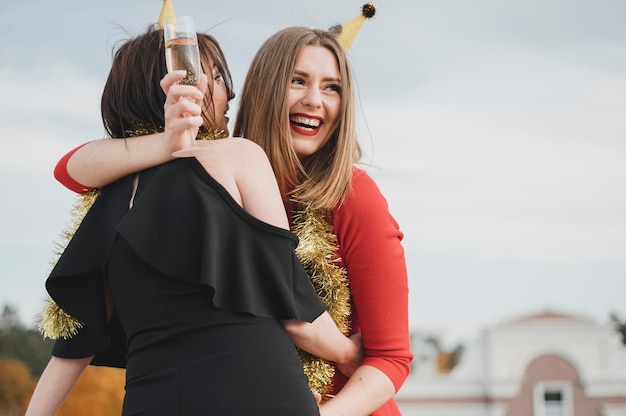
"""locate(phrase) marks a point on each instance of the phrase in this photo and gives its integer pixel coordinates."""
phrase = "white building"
(547, 364)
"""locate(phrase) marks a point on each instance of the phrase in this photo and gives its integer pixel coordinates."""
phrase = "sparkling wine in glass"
(182, 53)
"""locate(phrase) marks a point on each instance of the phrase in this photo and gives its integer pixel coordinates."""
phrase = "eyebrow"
(306, 74)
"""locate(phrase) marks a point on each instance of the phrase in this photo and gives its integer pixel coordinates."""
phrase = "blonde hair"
(263, 116)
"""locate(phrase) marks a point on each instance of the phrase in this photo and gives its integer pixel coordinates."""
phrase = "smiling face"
(314, 99)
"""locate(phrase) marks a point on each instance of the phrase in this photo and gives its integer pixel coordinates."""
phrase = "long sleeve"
(370, 246)
(61, 174)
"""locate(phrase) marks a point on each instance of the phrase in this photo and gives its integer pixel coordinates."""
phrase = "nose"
(231, 94)
(312, 98)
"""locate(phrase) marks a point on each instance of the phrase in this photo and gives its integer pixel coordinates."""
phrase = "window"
(552, 399)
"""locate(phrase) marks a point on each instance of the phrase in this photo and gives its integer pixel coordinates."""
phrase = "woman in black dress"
(183, 272)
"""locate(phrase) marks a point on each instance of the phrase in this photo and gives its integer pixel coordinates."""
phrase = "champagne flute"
(181, 52)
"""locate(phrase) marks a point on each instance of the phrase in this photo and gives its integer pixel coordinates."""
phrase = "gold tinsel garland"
(54, 322)
(317, 251)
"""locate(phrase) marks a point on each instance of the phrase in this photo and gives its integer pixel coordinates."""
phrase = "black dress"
(198, 286)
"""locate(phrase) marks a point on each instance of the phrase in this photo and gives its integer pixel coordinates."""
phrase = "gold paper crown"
(350, 28)
(166, 12)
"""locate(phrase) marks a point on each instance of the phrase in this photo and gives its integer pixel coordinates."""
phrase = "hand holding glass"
(181, 52)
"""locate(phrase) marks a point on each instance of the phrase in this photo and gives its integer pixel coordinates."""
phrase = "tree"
(10, 318)
(98, 392)
(16, 387)
(24, 344)
(24, 354)
(620, 326)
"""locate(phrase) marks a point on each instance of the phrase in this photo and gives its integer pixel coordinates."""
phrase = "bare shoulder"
(232, 146)
(241, 142)
(244, 170)
(233, 157)
(243, 147)
(235, 148)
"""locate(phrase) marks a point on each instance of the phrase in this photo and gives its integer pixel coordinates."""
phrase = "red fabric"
(61, 175)
(369, 244)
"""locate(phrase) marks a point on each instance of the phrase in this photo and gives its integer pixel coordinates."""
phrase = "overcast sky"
(495, 128)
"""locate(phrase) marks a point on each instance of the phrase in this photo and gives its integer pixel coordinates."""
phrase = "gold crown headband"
(350, 28)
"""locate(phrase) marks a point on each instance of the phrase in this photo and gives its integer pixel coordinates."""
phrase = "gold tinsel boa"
(54, 322)
(317, 252)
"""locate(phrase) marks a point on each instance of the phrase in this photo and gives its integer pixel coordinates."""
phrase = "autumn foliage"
(23, 356)
(16, 385)
(98, 392)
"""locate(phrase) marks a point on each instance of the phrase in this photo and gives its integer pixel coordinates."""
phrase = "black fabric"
(108, 343)
(203, 236)
(184, 225)
(187, 357)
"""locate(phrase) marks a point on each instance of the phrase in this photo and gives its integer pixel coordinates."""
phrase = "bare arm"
(366, 390)
(103, 161)
(322, 338)
(55, 384)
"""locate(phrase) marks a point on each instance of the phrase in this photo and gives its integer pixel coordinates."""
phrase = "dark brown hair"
(133, 99)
